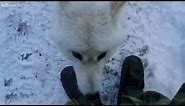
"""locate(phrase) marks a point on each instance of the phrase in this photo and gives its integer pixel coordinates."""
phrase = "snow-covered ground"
(30, 63)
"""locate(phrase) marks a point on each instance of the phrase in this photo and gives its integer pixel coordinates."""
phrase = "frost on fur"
(88, 34)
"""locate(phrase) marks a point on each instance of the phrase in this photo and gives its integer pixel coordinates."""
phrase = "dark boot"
(132, 77)
(179, 98)
(69, 82)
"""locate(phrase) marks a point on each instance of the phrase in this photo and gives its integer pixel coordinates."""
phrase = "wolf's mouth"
(93, 96)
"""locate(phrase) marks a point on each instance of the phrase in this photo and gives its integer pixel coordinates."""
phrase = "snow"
(30, 63)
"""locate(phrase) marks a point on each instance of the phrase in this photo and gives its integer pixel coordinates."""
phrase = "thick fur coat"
(88, 34)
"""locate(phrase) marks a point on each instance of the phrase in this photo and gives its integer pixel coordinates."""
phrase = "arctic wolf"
(89, 34)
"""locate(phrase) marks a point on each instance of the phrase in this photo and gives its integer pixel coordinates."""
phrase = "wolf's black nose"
(95, 98)
(92, 96)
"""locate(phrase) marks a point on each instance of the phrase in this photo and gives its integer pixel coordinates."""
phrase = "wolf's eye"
(101, 56)
(77, 55)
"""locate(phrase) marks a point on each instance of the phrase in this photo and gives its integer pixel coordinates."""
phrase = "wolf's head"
(88, 35)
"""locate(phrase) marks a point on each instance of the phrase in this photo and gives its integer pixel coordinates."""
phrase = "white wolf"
(88, 34)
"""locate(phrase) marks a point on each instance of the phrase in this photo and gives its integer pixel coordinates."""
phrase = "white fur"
(89, 29)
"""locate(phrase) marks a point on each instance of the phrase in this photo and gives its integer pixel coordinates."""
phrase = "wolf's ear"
(116, 7)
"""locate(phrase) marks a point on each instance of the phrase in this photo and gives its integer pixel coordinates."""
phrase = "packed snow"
(30, 63)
